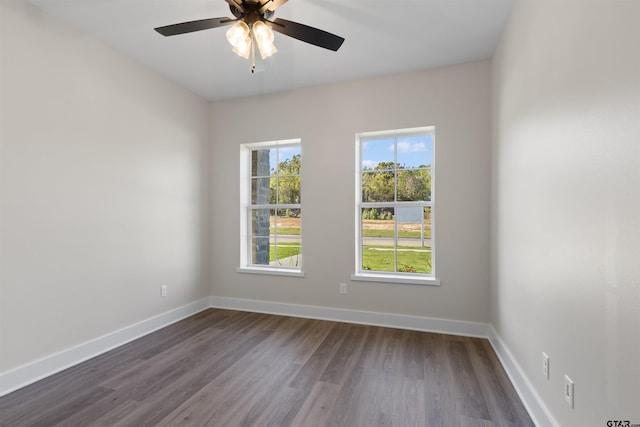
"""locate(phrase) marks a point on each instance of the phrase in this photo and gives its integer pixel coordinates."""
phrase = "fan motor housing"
(251, 14)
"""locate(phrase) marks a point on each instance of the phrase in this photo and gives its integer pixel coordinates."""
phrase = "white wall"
(455, 100)
(566, 203)
(103, 189)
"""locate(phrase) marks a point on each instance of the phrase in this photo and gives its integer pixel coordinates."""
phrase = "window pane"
(396, 173)
(289, 159)
(377, 258)
(377, 154)
(289, 189)
(260, 191)
(273, 190)
(274, 179)
(285, 247)
(415, 151)
(378, 186)
(414, 243)
(287, 223)
(427, 227)
(414, 185)
(287, 253)
(260, 226)
(414, 260)
(378, 241)
(260, 161)
(427, 218)
(260, 251)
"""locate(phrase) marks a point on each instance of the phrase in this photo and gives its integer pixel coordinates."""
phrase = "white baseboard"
(400, 321)
(531, 400)
(42, 368)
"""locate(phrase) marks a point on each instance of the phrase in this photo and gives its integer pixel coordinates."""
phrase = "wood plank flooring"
(231, 368)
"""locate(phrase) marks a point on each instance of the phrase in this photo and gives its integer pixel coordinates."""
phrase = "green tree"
(378, 183)
(414, 184)
(285, 182)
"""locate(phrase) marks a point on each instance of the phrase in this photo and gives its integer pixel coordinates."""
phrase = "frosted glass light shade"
(238, 33)
(264, 38)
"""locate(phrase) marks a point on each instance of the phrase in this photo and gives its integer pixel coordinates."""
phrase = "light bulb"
(266, 49)
(238, 33)
(264, 38)
(262, 32)
(243, 47)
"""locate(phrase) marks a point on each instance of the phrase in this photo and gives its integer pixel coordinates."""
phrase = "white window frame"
(245, 212)
(393, 277)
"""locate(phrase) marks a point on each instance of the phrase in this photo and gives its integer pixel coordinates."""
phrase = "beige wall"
(108, 186)
(106, 193)
(455, 100)
(103, 177)
(566, 203)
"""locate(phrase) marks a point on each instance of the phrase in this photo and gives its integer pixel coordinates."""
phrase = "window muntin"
(272, 206)
(395, 203)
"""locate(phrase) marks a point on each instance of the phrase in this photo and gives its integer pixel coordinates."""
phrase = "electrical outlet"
(343, 288)
(568, 391)
(163, 290)
(545, 365)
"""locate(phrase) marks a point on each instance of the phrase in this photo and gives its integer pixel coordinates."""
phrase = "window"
(394, 211)
(270, 208)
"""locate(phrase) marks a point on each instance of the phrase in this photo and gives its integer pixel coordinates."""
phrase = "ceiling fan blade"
(307, 34)
(271, 5)
(191, 26)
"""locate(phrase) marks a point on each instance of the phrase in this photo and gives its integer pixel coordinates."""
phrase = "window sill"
(271, 271)
(395, 278)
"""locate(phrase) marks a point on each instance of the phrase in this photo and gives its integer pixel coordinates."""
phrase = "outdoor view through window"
(274, 210)
(395, 202)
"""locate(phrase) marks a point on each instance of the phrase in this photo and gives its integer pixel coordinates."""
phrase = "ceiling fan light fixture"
(267, 50)
(238, 33)
(264, 39)
(253, 29)
(243, 48)
(262, 32)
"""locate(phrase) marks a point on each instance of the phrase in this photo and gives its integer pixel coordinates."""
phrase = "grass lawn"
(389, 233)
(365, 233)
(288, 231)
(409, 260)
(284, 250)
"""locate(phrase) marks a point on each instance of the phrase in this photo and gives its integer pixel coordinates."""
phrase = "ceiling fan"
(252, 27)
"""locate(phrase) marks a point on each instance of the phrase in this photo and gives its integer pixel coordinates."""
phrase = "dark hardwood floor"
(231, 368)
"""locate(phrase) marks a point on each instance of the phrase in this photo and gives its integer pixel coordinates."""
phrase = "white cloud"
(411, 147)
(369, 163)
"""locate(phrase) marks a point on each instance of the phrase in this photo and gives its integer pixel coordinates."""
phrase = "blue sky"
(284, 154)
(412, 151)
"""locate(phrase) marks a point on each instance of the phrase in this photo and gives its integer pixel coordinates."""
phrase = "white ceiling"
(382, 37)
